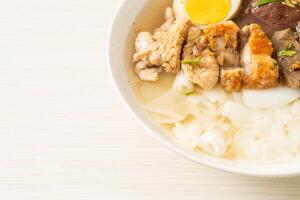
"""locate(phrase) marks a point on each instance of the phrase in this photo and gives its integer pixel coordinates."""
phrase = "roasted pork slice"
(260, 70)
(162, 50)
(223, 39)
(287, 49)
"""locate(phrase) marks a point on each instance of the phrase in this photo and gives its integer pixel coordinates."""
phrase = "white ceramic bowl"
(120, 49)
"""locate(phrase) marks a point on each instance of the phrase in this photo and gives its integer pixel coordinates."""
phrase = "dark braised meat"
(287, 48)
(271, 17)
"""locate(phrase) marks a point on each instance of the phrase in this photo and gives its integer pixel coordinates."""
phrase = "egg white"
(179, 9)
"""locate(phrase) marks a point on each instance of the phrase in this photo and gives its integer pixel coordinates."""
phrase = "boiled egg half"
(205, 12)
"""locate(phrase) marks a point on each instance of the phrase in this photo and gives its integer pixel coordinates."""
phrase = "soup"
(230, 88)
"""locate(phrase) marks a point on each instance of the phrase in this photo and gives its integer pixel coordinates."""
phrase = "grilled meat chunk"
(223, 40)
(260, 70)
(162, 50)
(199, 63)
(287, 47)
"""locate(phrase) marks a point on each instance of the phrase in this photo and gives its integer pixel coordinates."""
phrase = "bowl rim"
(267, 170)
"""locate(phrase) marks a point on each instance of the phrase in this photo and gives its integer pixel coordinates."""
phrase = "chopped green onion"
(286, 53)
(263, 2)
(189, 94)
(191, 61)
(290, 46)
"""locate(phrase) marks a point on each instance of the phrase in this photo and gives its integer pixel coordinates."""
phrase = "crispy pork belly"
(223, 40)
(287, 49)
(260, 70)
(162, 50)
(231, 78)
(222, 36)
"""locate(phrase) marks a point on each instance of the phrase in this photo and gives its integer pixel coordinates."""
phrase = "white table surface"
(64, 133)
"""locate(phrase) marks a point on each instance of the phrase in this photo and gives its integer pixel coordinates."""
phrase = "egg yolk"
(202, 12)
